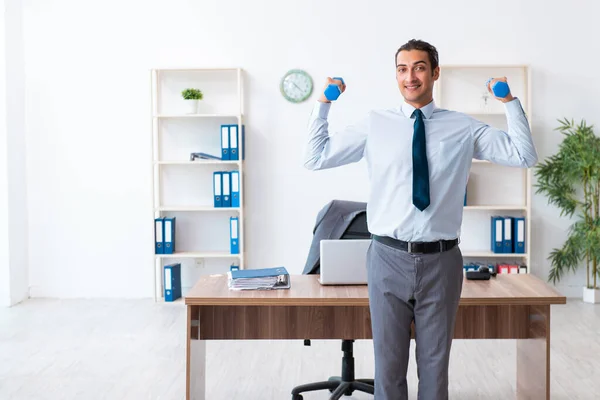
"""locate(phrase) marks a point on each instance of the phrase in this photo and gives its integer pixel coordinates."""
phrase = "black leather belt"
(417, 247)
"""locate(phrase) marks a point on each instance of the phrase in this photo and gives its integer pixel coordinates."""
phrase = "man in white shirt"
(418, 158)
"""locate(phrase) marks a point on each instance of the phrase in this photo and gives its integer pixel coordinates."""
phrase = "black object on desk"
(483, 274)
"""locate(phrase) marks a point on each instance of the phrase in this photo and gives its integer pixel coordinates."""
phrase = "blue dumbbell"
(333, 91)
(499, 88)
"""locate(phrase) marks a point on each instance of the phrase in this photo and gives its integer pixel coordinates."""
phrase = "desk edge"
(363, 302)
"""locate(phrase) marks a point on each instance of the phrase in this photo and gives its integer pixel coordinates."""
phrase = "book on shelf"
(226, 189)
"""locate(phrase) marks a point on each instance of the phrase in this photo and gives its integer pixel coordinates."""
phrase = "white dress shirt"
(384, 139)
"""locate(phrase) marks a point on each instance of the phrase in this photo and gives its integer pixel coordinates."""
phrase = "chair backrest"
(339, 219)
(358, 228)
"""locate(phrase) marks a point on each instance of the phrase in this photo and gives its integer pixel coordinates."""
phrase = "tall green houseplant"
(571, 181)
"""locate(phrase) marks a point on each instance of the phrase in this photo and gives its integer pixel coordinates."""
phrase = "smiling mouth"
(412, 87)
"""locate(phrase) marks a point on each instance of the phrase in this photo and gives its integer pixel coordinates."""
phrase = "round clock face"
(296, 86)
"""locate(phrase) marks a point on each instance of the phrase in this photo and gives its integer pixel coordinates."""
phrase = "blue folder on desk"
(263, 278)
(259, 272)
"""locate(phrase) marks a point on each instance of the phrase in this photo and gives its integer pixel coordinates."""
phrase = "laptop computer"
(344, 262)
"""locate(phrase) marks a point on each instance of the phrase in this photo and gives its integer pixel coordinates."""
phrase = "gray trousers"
(404, 287)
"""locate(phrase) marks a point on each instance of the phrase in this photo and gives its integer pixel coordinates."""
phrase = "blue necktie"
(420, 167)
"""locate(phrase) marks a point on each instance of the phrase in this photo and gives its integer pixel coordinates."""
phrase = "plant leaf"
(564, 178)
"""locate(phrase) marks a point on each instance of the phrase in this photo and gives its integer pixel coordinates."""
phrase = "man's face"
(415, 77)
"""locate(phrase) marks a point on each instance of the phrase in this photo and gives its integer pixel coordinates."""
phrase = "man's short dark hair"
(415, 44)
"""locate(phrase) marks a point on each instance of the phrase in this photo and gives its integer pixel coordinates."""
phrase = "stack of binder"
(508, 234)
(226, 188)
(259, 279)
(164, 235)
(230, 142)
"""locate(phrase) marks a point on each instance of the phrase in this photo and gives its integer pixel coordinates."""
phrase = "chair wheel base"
(339, 386)
(336, 387)
(338, 379)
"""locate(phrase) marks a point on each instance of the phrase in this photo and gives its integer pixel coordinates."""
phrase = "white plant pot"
(591, 295)
(191, 106)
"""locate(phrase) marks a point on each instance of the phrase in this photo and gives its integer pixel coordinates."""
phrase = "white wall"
(13, 184)
(88, 126)
(4, 265)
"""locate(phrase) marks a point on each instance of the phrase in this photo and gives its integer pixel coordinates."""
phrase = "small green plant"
(571, 181)
(192, 94)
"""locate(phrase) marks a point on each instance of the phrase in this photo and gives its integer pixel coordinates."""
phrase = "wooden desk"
(505, 307)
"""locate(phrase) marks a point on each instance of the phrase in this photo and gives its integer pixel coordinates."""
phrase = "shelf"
(196, 69)
(182, 190)
(498, 207)
(463, 88)
(191, 254)
(489, 254)
(199, 162)
(197, 116)
(196, 208)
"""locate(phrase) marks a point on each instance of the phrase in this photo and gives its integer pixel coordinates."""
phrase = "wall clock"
(296, 86)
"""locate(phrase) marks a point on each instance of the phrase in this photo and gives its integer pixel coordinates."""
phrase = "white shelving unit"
(492, 189)
(184, 188)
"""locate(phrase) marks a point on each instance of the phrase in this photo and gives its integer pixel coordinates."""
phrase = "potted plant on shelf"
(571, 181)
(192, 97)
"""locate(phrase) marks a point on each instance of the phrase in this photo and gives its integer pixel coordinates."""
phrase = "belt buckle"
(412, 246)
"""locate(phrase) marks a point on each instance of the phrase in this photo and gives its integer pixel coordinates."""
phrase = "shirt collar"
(427, 110)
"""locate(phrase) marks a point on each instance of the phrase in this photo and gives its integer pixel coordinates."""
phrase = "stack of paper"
(257, 279)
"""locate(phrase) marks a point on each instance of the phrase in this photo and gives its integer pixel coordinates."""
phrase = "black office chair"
(345, 384)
